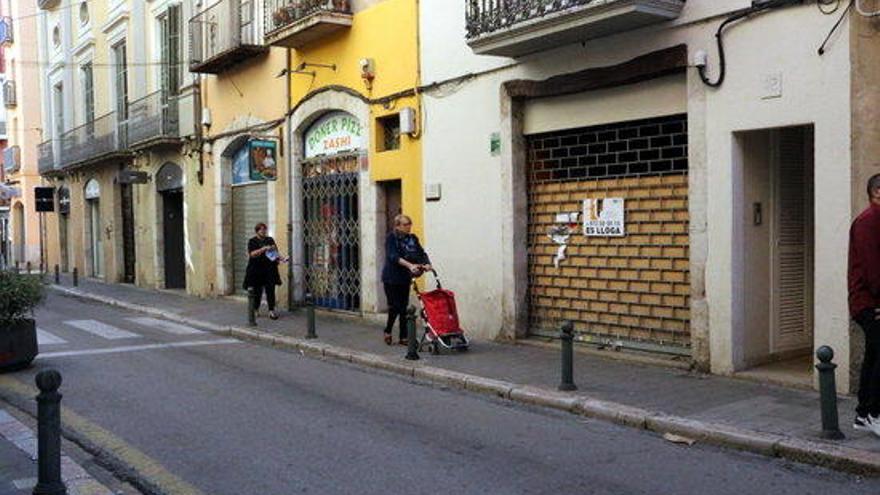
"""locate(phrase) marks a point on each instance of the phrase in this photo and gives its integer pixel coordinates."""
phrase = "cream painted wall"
(462, 115)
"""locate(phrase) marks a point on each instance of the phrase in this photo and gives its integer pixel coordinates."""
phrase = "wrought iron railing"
(47, 4)
(487, 16)
(277, 14)
(152, 117)
(46, 156)
(93, 139)
(12, 159)
(221, 28)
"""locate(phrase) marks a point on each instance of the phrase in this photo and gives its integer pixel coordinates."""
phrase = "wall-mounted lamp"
(368, 71)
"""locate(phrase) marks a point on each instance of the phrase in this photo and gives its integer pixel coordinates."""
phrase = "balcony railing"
(518, 27)
(99, 139)
(296, 23)
(6, 32)
(10, 98)
(223, 35)
(12, 159)
(47, 4)
(153, 119)
(46, 157)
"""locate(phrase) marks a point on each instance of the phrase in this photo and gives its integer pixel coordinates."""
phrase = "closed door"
(249, 207)
(95, 244)
(172, 230)
(792, 266)
(62, 241)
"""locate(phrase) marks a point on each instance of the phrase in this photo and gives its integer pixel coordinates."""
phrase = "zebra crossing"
(51, 340)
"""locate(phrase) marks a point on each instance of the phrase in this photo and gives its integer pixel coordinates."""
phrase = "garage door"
(249, 207)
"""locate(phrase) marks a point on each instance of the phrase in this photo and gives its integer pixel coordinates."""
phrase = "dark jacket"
(401, 246)
(261, 271)
(864, 263)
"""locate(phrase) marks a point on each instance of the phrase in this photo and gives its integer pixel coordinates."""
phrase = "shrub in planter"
(19, 295)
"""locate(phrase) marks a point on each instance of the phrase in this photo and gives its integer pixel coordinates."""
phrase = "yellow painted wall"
(387, 33)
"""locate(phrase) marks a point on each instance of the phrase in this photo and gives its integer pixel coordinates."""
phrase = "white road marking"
(46, 338)
(168, 326)
(102, 329)
(132, 348)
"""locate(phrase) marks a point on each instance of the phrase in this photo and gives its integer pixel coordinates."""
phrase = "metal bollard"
(49, 435)
(412, 349)
(567, 336)
(252, 307)
(75, 277)
(28, 266)
(57, 275)
(17, 268)
(310, 317)
(41, 268)
(828, 394)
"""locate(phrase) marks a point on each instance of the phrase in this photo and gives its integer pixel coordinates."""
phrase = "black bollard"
(828, 393)
(412, 349)
(75, 277)
(41, 268)
(310, 317)
(17, 268)
(252, 307)
(28, 267)
(57, 275)
(49, 435)
(567, 336)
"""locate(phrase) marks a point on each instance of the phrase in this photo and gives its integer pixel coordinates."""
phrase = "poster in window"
(241, 172)
(263, 159)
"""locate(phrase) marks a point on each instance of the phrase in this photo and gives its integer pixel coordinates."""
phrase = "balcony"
(6, 37)
(224, 35)
(102, 139)
(3, 130)
(153, 121)
(296, 23)
(512, 28)
(10, 99)
(12, 159)
(46, 157)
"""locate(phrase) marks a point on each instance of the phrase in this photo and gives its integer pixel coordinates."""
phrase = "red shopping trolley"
(439, 313)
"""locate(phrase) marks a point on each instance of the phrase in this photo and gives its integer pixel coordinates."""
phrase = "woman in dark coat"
(404, 259)
(262, 268)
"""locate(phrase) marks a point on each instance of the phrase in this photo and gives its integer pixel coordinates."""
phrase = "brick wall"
(634, 287)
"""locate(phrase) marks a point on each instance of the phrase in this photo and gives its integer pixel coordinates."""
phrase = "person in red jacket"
(864, 304)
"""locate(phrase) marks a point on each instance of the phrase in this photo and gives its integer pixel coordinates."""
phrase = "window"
(58, 106)
(119, 61)
(88, 91)
(388, 132)
(56, 37)
(169, 27)
(84, 13)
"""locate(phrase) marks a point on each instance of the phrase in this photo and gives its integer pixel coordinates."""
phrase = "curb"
(768, 444)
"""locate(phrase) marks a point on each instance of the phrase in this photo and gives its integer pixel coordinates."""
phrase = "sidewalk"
(18, 464)
(761, 418)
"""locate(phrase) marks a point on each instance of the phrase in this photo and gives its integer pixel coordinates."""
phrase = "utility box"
(408, 120)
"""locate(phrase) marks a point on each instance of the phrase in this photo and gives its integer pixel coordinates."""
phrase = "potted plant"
(19, 295)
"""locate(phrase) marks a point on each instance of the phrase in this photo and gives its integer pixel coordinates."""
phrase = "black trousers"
(398, 300)
(270, 295)
(869, 380)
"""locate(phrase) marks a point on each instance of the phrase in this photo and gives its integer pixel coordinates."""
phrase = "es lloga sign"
(604, 217)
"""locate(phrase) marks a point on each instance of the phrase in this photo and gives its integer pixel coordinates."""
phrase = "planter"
(18, 344)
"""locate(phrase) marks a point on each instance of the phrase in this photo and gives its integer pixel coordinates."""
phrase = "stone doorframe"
(514, 94)
(371, 237)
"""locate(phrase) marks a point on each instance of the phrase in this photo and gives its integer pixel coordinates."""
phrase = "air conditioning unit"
(12, 159)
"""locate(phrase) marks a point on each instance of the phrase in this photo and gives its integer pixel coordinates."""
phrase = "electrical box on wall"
(432, 192)
(408, 120)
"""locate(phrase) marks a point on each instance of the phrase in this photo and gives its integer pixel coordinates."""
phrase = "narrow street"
(234, 418)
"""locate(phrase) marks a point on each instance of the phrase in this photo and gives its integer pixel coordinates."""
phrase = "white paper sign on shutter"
(604, 217)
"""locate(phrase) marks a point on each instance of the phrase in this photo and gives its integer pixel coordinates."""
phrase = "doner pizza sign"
(336, 132)
(604, 217)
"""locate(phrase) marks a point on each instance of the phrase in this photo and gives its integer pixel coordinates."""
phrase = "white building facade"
(737, 193)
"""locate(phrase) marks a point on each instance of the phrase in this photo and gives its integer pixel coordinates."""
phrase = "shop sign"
(93, 190)
(336, 132)
(604, 217)
(263, 159)
(64, 200)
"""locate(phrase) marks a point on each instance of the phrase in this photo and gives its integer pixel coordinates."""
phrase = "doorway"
(97, 247)
(128, 253)
(172, 231)
(776, 231)
(18, 244)
(390, 190)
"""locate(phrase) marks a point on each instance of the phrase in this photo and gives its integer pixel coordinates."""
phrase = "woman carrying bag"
(262, 268)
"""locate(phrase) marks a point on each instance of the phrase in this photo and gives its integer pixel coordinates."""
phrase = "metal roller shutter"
(249, 207)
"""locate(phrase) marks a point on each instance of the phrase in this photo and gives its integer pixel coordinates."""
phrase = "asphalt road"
(198, 412)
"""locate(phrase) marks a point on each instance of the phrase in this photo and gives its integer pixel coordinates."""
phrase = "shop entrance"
(776, 230)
